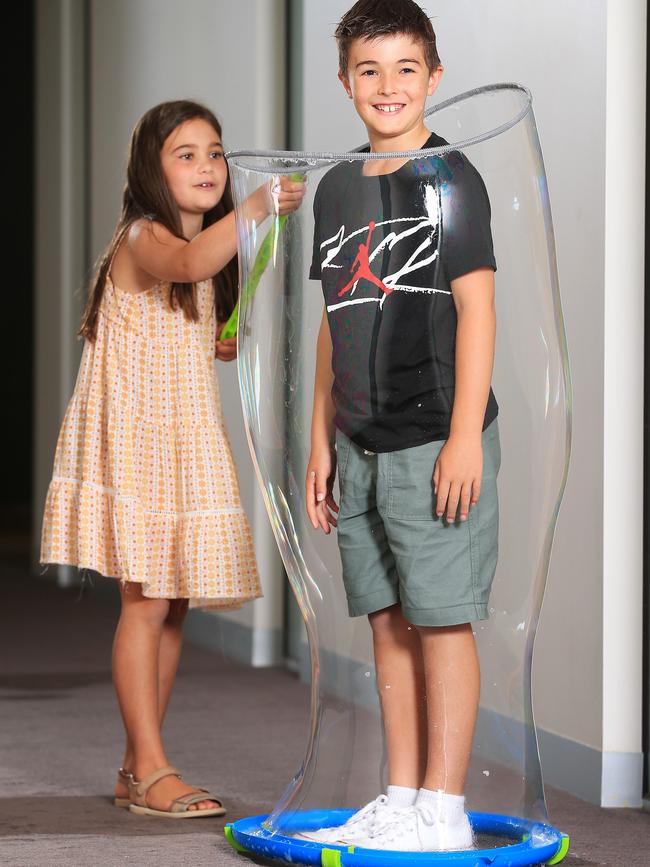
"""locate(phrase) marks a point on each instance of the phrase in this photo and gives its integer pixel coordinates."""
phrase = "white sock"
(449, 808)
(401, 796)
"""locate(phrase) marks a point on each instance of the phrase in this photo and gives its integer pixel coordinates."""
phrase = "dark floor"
(240, 730)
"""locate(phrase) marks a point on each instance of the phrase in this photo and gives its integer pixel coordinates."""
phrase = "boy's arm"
(458, 471)
(322, 462)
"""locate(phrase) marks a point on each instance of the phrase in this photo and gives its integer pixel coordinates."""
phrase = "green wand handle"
(259, 267)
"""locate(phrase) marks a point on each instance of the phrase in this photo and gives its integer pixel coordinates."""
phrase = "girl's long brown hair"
(146, 194)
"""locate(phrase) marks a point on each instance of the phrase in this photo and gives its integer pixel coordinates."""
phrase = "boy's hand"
(321, 505)
(286, 195)
(225, 350)
(457, 476)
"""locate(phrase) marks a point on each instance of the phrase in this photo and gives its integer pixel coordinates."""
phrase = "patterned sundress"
(144, 486)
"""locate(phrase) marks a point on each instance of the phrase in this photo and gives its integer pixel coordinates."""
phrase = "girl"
(144, 486)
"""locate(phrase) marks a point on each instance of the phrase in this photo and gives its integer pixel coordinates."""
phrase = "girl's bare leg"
(171, 642)
(453, 686)
(401, 684)
(136, 674)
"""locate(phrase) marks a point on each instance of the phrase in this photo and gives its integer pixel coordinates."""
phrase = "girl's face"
(194, 167)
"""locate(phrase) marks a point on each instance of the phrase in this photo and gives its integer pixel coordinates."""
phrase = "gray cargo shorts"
(395, 549)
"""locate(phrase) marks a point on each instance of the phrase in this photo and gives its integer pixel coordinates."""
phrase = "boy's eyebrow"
(214, 144)
(375, 63)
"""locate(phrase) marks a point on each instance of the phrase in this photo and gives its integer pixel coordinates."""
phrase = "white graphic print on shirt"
(421, 257)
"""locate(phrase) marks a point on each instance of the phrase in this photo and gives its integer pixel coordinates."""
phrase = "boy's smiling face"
(389, 81)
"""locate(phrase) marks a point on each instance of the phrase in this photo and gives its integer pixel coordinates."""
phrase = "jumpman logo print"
(364, 272)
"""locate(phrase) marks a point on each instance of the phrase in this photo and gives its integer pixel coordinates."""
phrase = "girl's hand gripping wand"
(262, 259)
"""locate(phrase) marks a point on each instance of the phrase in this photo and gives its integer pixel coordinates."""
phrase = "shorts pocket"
(410, 494)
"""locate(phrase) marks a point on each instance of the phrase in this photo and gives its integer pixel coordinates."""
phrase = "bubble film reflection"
(379, 276)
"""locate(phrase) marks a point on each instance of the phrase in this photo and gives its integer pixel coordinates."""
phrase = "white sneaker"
(420, 829)
(362, 825)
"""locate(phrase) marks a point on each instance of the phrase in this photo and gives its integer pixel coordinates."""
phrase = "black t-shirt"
(386, 249)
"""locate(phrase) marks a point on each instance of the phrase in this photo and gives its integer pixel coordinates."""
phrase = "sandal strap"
(141, 787)
(180, 804)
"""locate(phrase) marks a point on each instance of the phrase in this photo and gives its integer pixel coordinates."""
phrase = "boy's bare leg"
(136, 659)
(453, 686)
(401, 684)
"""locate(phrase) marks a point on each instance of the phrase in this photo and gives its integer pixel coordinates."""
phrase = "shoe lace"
(405, 819)
(372, 807)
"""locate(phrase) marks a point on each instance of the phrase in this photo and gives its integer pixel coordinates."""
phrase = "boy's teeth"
(388, 107)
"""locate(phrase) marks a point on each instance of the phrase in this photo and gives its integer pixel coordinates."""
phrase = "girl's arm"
(321, 469)
(160, 253)
(459, 468)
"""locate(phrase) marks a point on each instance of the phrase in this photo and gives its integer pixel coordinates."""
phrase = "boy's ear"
(434, 79)
(346, 84)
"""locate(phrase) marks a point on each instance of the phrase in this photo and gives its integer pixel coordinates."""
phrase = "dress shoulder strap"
(118, 244)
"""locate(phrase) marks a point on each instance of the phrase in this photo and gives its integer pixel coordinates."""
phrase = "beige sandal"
(179, 806)
(123, 777)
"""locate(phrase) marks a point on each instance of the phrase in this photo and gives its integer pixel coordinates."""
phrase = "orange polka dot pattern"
(144, 486)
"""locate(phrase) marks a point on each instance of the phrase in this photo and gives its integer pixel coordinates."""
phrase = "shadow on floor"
(96, 814)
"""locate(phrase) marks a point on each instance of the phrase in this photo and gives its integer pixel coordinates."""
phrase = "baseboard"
(236, 641)
(207, 629)
(570, 765)
(605, 779)
(622, 780)
(566, 764)
(341, 676)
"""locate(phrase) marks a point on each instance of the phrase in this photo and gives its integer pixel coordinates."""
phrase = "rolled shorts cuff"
(371, 602)
(455, 615)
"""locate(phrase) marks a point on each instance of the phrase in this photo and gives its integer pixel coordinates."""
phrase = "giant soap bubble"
(344, 764)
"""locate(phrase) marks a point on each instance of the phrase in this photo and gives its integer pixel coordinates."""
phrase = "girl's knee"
(134, 604)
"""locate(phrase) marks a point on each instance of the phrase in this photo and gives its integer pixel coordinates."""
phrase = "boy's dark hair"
(146, 194)
(372, 19)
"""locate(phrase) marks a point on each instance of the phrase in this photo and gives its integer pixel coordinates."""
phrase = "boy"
(404, 360)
